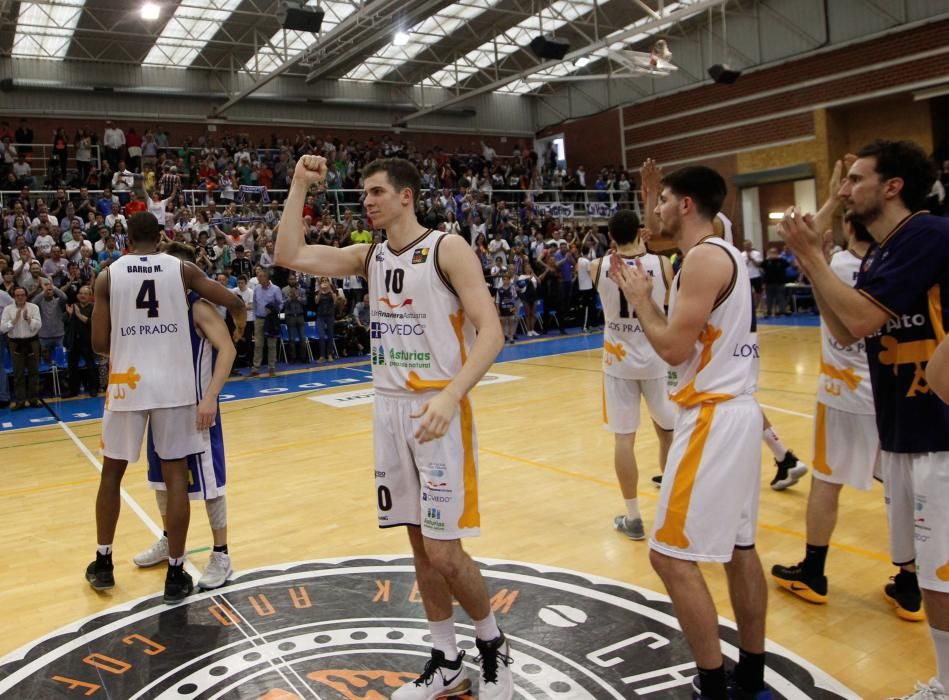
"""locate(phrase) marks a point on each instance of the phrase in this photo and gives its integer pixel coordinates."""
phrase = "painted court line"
(157, 532)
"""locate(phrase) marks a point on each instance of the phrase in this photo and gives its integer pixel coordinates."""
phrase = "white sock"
(632, 509)
(487, 629)
(774, 444)
(443, 637)
(941, 644)
(104, 549)
(176, 561)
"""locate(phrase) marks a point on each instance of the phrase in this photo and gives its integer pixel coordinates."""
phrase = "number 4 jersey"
(417, 328)
(150, 364)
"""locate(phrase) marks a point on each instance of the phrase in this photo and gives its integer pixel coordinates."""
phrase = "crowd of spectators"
(223, 198)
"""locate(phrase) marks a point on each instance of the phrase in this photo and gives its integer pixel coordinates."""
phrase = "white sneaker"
(216, 572)
(497, 681)
(156, 554)
(934, 690)
(440, 679)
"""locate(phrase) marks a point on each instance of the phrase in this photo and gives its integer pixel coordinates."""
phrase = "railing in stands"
(561, 204)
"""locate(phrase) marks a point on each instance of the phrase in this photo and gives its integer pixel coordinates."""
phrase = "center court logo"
(355, 628)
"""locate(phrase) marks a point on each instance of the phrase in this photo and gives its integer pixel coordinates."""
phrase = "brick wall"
(593, 141)
(932, 36)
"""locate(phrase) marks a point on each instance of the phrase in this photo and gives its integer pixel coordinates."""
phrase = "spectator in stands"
(133, 143)
(73, 282)
(79, 344)
(109, 253)
(24, 137)
(242, 264)
(134, 205)
(52, 305)
(54, 267)
(325, 318)
(123, 180)
(245, 344)
(76, 245)
(105, 201)
(774, 272)
(83, 157)
(5, 301)
(268, 301)
(294, 310)
(114, 140)
(115, 215)
(36, 279)
(21, 322)
(22, 171)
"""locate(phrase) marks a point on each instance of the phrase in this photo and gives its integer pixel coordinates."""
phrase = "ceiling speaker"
(723, 74)
(550, 49)
(293, 15)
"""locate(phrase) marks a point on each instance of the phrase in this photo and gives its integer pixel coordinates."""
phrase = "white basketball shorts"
(846, 447)
(174, 430)
(708, 502)
(917, 490)
(433, 485)
(621, 399)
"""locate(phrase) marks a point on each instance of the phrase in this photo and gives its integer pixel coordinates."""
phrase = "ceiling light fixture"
(581, 62)
(150, 11)
(401, 39)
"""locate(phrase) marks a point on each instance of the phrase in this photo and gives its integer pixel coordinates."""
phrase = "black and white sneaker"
(440, 679)
(790, 471)
(99, 573)
(497, 681)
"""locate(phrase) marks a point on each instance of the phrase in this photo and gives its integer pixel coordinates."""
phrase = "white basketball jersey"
(626, 351)
(844, 381)
(418, 332)
(724, 361)
(150, 363)
(727, 228)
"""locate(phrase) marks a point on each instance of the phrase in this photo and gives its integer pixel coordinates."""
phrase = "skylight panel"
(188, 32)
(427, 32)
(287, 43)
(549, 19)
(44, 30)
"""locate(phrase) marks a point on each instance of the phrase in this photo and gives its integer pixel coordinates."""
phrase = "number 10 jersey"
(150, 363)
(418, 332)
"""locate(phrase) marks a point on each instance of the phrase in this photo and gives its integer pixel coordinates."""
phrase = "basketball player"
(901, 306)
(789, 469)
(846, 444)
(708, 501)
(631, 368)
(213, 355)
(427, 301)
(141, 321)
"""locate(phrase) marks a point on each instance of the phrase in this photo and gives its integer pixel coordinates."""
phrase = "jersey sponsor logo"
(119, 380)
(406, 359)
(915, 353)
(624, 327)
(746, 350)
(293, 632)
(433, 519)
(148, 329)
(613, 353)
(377, 329)
(419, 256)
(395, 304)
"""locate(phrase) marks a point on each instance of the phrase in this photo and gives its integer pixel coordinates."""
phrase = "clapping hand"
(634, 282)
(798, 232)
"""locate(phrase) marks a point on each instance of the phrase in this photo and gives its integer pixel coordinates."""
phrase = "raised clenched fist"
(310, 169)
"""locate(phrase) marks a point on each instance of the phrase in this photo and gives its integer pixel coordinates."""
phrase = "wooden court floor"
(300, 487)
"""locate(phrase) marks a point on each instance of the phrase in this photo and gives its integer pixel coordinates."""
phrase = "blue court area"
(292, 379)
